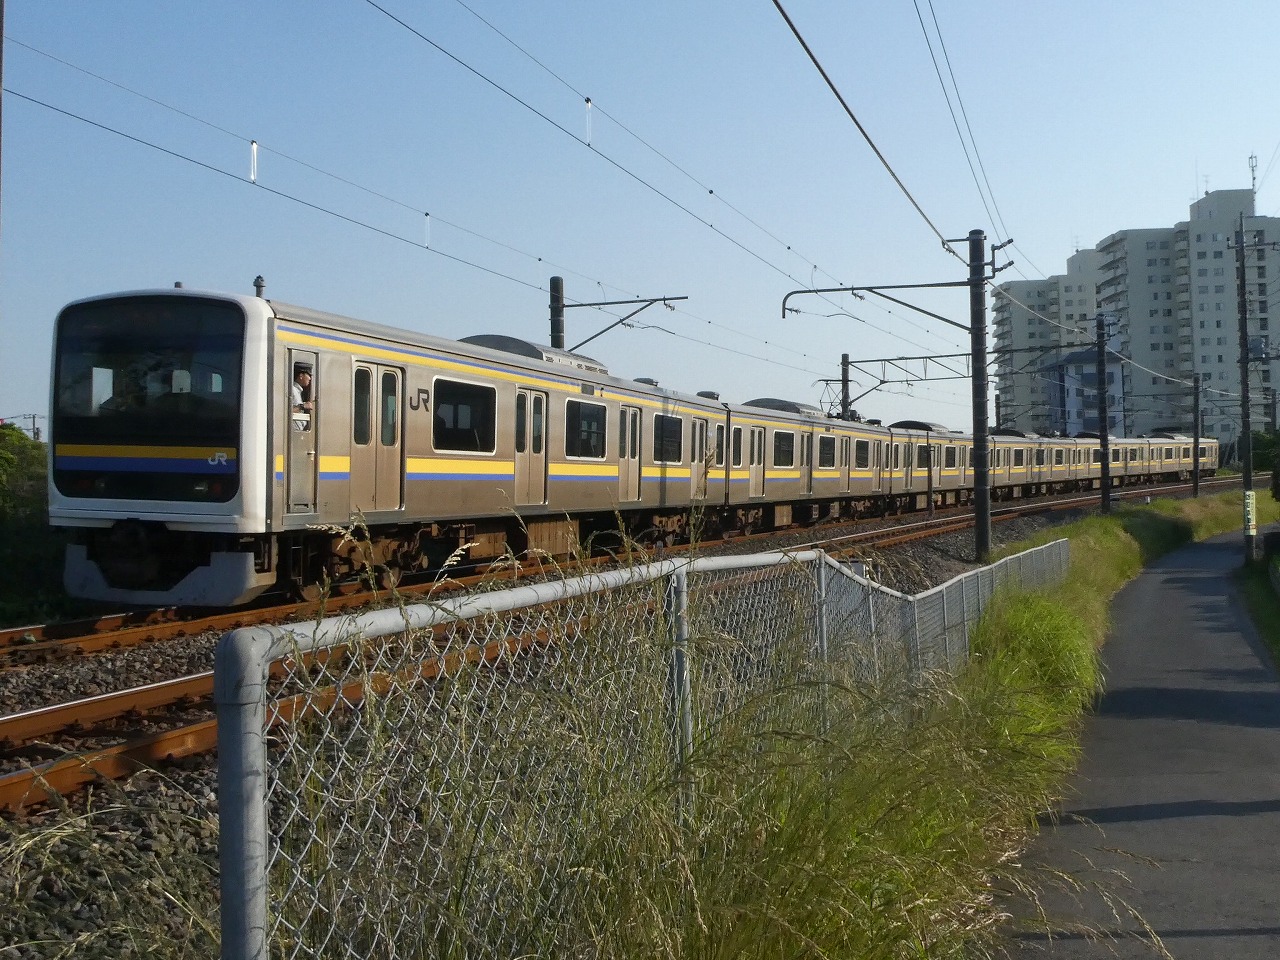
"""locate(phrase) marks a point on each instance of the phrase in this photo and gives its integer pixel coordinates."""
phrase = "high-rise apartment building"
(1170, 297)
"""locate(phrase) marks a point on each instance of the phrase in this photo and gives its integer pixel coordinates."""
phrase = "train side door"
(531, 447)
(377, 475)
(300, 489)
(755, 468)
(698, 461)
(846, 444)
(628, 454)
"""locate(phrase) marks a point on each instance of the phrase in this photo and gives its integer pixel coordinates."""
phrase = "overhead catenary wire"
(266, 148)
(946, 245)
(594, 106)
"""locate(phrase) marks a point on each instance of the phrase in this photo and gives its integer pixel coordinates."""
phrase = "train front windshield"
(147, 399)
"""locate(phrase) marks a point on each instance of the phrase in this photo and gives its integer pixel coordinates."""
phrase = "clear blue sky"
(1088, 118)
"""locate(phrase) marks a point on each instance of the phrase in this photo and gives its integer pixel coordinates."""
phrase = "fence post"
(946, 633)
(822, 608)
(677, 611)
(239, 692)
(869, 592)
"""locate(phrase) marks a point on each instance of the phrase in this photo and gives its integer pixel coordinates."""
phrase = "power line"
(383, 232)
(309, 166)
(594, 105)
(862, 130)
(579, 140)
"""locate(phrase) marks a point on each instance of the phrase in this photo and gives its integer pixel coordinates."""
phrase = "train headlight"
(201, 487)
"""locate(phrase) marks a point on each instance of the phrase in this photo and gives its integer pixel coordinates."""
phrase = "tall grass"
(818, 814)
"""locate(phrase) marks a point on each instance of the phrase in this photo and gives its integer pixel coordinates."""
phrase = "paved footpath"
(1175, 809)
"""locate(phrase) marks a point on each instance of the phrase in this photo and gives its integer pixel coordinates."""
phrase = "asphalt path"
(1170, 833)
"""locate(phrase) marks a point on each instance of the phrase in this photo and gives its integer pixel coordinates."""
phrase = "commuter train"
(189, 469)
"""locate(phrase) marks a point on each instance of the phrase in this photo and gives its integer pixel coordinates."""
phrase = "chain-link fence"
(464, 778)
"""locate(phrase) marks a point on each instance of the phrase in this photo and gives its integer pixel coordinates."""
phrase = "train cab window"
(668, 439)
(360, 404)
(862, 454)
(784, 448)
(584, 429)
(737, 446)
(465, 417)
(826, 453)
(719, 444)
(949, 458)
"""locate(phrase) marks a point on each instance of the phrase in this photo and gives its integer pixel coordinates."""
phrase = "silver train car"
(193, 465)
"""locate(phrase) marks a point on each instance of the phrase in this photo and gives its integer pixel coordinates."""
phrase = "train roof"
(922, 425)
(787, 406)
(535, 351)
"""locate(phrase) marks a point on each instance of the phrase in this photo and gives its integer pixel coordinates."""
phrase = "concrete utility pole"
(977, 330)
(981, 434)
(1195, 438)
(844, 386)
(557, 312)
(1246, 426)
(1104, 425)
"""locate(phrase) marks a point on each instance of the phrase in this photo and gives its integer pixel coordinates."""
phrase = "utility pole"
(844, 386)
(981, 435)
(1246, 427)
(977, 330)
(1104, 424)
(1195, 439)
(557, 312)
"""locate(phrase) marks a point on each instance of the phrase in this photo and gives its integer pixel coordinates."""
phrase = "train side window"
(465, 417)
(1168, 453)
(668, 439)
(584, 429)
(1019, 457)
(361, 429)
(736, 447)
(1115, 455)
(1057, 457)
(862, 454)
(1039, 456)
(949, 458)
(719, 444)
(522, 430)
(784, 448)
(1186, 453)
(826, 453)
(390, 432)
(922, 455)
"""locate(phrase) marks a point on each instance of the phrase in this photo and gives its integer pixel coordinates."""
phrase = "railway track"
(58, 748)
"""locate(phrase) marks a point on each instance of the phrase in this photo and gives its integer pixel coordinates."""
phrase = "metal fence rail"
(420, 781)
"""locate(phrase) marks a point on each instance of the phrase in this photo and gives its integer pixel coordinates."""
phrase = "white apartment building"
(1171, 299)
(1035, 323)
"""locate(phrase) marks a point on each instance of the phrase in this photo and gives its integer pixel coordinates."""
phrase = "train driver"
(300, 397)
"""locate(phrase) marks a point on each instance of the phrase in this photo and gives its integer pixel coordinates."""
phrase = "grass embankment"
(890, 833)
